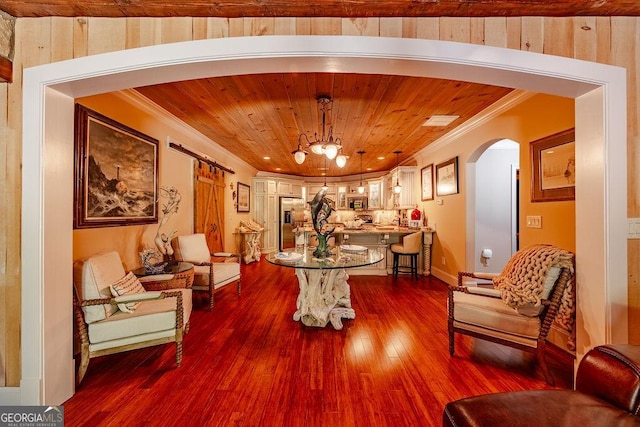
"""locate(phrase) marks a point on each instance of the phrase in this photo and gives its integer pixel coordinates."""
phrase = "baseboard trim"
(444, 276)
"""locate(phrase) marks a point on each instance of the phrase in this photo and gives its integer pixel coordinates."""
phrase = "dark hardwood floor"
(248, 363)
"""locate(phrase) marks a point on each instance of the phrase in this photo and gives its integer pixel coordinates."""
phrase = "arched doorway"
(49, 91)
(492, 206)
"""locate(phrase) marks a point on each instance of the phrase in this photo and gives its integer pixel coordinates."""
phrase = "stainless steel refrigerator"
(291, 217)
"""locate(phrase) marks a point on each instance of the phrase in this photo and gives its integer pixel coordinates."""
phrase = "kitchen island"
(380, 238)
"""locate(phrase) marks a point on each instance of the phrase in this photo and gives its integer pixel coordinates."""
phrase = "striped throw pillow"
(128, 285)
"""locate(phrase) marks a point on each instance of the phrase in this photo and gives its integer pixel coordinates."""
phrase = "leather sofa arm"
(612, 373)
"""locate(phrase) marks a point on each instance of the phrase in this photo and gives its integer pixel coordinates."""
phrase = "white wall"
(494, 203)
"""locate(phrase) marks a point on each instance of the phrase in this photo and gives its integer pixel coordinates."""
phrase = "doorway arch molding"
(47, 182)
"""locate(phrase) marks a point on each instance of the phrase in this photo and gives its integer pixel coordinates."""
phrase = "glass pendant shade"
(330, 150)
(299, 156)
(341, 160)
(361, 189)
(316, 148)
(397, 188)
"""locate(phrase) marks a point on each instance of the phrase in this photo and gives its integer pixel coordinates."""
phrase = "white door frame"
(47, 195)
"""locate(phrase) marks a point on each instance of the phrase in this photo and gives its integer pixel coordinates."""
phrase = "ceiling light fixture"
(440, 120)
(361, 187)
(328, 145)
(325, 187)
(398, 187)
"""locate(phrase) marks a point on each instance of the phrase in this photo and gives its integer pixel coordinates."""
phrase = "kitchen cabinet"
(315, 188)
(341, 197)
(265, 210)
(290, 188)
(407, 176)
(375, 194)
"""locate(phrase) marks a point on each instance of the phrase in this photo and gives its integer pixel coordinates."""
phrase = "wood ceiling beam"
(326, 8)
(6, 70)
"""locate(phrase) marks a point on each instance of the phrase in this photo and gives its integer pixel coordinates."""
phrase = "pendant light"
(299, 155)
(361, 187)
(325, 187)
(397, 187)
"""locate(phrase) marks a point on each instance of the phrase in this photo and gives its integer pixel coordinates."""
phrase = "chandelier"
(328, 145)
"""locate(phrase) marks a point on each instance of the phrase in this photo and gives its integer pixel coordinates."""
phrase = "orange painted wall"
(536, 117)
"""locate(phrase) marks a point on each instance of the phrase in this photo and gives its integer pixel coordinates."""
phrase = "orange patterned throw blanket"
(522, 282)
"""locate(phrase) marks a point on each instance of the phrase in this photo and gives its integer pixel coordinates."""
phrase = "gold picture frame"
(553, 167)
(244, 199)
(116, 173)
(426, 182)
(447, 177)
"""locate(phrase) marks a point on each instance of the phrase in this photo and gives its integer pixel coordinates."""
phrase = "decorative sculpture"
(321, 208)
(162, 240)
(251, 232)
(152, 261)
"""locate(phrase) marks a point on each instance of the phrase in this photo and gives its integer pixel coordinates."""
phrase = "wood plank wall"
(609, 40)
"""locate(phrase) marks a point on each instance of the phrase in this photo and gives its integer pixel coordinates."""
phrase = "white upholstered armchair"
(535, 288)
(208, 275)
(114, 313)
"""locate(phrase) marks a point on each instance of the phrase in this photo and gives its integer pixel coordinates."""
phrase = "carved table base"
(325, 296)
(252, 250)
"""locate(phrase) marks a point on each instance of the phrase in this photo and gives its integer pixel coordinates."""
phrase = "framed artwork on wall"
(447, 177)
(116, 173)
(244, 193)
(426, 179)
(553, 167)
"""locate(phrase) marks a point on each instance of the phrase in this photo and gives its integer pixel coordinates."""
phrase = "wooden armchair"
(133, 319)
(511, 313)
(209, 275)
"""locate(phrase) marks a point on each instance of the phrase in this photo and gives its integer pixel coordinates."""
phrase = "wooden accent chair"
(209, 274)
(493, 314)
(410, 246)
(129, 321)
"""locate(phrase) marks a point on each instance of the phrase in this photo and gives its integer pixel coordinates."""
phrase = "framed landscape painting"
(244, 192)
(447, 177)
(553, 167)
(116, 173)
(426, 180)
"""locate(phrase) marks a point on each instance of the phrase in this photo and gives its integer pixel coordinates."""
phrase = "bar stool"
(410, 246)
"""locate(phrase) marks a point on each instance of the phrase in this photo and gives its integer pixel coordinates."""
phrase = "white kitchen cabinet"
(265, 211)
(290, 188)
(407, 177)
(315, 188)
(375, 194)
(341, 197)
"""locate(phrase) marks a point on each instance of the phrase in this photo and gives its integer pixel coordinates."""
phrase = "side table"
(176, 275)
(250, 245)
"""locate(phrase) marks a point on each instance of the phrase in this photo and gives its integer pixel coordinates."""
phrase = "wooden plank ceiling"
(343, 8)
(257, 116)
(263, 115)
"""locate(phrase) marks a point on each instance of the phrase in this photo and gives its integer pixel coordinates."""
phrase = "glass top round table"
(173, 267)
(325, 295)
(344, 256)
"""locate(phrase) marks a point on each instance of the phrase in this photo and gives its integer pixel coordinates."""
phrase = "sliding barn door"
(209, 205)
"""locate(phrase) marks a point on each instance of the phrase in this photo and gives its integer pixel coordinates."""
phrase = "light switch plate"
(534, 221)
(634, 228)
